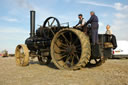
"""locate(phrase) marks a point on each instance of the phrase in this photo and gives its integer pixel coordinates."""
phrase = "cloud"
(9, 19)
(117, 5)
(94, 3)
(24, 4)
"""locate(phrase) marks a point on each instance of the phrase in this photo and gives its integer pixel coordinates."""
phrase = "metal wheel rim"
(22, 55)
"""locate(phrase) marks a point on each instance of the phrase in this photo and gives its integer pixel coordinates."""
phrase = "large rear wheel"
(70, 49)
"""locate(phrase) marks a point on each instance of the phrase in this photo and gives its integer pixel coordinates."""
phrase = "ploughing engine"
(68, 48)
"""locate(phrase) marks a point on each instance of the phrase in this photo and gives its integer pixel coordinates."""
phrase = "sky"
(15, 17)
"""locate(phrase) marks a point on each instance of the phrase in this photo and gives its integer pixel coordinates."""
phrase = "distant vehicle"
(121, 51)
(4, 53)
(1, 54)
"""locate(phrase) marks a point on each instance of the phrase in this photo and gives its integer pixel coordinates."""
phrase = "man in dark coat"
(94, 27)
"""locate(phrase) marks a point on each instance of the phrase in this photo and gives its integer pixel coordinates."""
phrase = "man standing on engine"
(94, 27)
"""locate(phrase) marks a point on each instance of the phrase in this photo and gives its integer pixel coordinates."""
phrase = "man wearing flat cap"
(81, 22)
(94, 27)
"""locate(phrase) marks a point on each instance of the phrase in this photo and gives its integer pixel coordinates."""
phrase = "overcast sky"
(14, 17)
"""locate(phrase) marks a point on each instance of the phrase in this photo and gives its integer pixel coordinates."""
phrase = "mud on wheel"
(70, 49)
(22, 55)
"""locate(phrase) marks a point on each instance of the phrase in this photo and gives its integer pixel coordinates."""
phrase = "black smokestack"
(32, 23)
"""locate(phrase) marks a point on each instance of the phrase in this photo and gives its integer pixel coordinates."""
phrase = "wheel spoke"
(77, 52)
(66, 40)
(68, 58)
(62, 53)
(48, 24)
(72, 62)
(56, 44)
(70, 38)
(65, 45)
(77, 57)
(60, 47)
(61, 58)
(52, 22)
(52, 31)
(57, 52)
(62, 50)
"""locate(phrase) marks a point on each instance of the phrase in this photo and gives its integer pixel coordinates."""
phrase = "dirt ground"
(113, 72)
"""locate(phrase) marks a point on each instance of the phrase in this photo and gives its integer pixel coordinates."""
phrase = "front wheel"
(22, 55)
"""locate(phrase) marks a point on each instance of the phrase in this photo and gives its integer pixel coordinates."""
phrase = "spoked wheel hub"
(70, 49)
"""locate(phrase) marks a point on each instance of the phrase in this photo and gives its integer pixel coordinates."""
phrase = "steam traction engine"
(68, 48)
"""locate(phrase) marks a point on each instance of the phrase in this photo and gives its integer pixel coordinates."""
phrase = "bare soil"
(113, 72)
